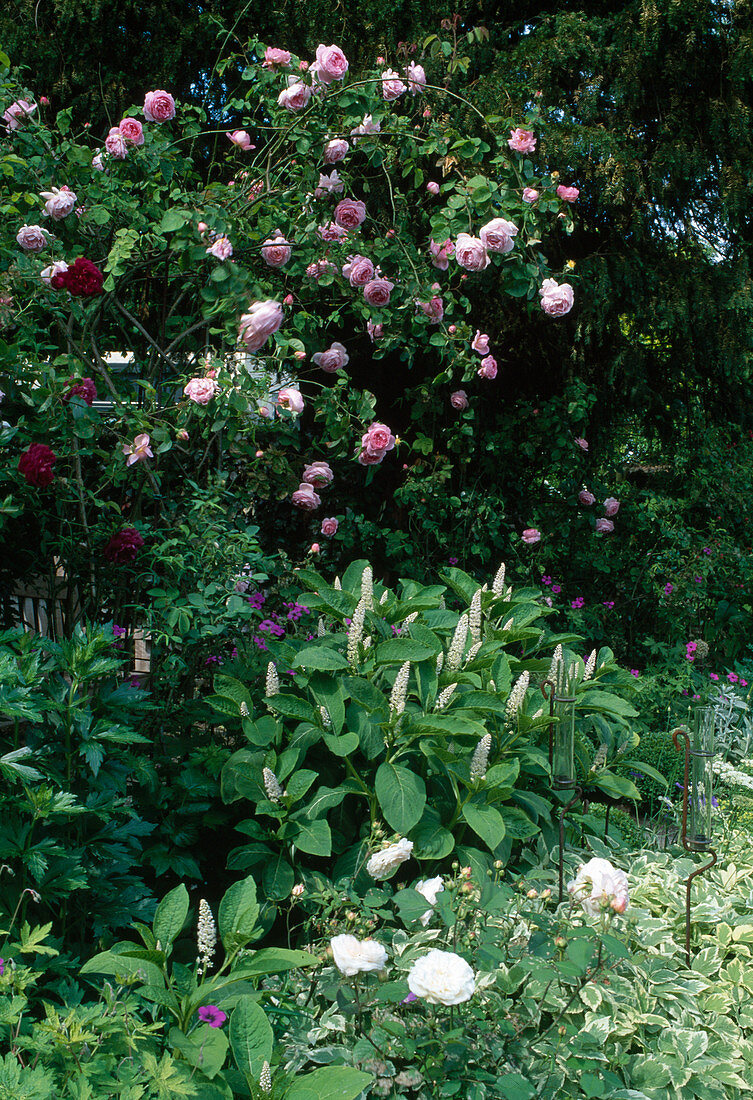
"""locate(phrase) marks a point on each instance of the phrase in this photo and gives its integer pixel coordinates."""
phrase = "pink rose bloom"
(335, 150)
(329, 185)
(159, 106)
(611, 506)
(331, 360)
(331, 64)
(470, 253)
(531, 536)
(585, 497)
(139, 450)
(55, 269)
(497, 235)
(480, 342)
(289, 397)
(295, 97)
(305, 497)
(276, 251)
(242, 140)
(329, 526)
(317, 474)
(440, 253)
(604, 526)
(432, 188)
(377, 440)
(567, 194)
(488, 368)
(265, 409)
(433, 309)
(359, 270)
(97, 162)
(530, 194)
(319, 268)
(368, 126)
(261, 321)
(18, 113)
(60, 202)
(556, 298)
(221, 249)
(377, 292)
(392, 85)
(416, 78)
(376, 332)
(522, 141)
(32, 238)
(115, 144)
(459, 399)
(274, 58)
(201, 390)
(132, 131)
(350, 213)
(332, 232)
(581, 442)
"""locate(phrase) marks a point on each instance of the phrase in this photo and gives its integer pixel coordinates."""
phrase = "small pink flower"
(368, 126)
(32, 238)
(288, 300)
(262, 320)
(315, 548)
(713, 676)
(19, 113)
(522, 141)
(556, 298)
(159, 106)
(497, 235)
(275, 58)
(392, 85)
(295, 97)
(459, 400)
(604, 526)
(221, 249)
(611, 506)
(182, 435)
(488, 368)
(276, 251)
(116, 144)
(376, 332)
(480, 342)
(319, 268)
(376, 441)
(212, 1015)
(335, 150)
(416, 77)
(139, 450)
(305, 497)
(359, 270)
(470, 253)
(531, 536)
(567, 194)
(60, 202)
(350, 213)
(57, 268)
(440, 253)
(530, 194)
(241, 139)
(201, 390)
(329, 527)
(581, 442)
(433, 309)
(377, 292)
(333, 359)
(289, 397)
(332, 232)
(132, 131)
(432, 188)
(585, 497)
(318, 474)
(97, 162)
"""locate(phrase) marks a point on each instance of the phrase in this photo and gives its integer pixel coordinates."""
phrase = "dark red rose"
(36, 464)
(124, 545)
(83, 279)
(81, 387)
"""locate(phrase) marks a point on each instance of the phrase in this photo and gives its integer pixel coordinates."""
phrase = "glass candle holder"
(563, 768)
(701, 780)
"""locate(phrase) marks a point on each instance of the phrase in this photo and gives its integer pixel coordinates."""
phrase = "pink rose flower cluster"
(128, 132)
(60, 201)
(375, 443)
(316, 475)
(472, 253)
(556, 298)
(262, 321)
(276, 251)
(522, 141)
(201, 390)
(18, 114)
(440, 253)
(333, 359)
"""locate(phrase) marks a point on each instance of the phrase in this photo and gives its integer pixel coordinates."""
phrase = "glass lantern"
(563, 769)
(701, 780)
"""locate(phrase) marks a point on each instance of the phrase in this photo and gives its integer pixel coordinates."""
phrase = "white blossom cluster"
(728, 774)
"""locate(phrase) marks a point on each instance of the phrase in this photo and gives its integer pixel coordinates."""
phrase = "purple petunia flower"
(212, 1015)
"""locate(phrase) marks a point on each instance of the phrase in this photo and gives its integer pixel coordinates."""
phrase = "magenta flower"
(634, 672)
(713, 676)
(212, 1015)
(556, 589)
(668, 589)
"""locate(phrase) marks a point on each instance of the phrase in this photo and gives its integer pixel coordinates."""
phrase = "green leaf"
(292, 706)
(251, 1037)
(518, 824)
(616, 786)
(314, 837)
(399, 650)
(321, 658)
(174, 219)
(205, 1048)
(272, 960)
(341, 746)
(277, 879)
(486, 822)
(330, 1083)
(109, 962)
(513, 1086)
(402, 796)
(171, 916)
(327, 690)
(238, 914)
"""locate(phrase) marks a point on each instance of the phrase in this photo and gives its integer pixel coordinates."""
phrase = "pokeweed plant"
(405, 712)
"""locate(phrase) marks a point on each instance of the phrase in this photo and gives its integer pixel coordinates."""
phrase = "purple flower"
(609, 604)
(261, 643)
(409, 999)
(577, 603)
(696, 698)
(212, 1015)
(213, 660)
(556, 589)
(2, 966)
(669, 589)
(453, 561)
(635, 672)
(706, 550)
(546, 580)
(713, 676)
(257, 601)
(698, 580)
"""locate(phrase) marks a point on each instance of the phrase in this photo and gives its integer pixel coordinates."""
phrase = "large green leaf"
(238, 914)
(399, 650)
(330, 1083)
(109, 962)
(327, 690)
(272, 960)
(313, 836)
(171, 916)
(251, 1037)
(205, 1048)
(402, 796)
(277, 878)
(321, 658)
(486, 822)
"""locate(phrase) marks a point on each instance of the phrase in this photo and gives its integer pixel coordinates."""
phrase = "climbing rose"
(459, 399)
(331, 64)
(85, 388)
(377, 292)
(18, 113)
(433, 309)
(567, 194)
(333, 359)
(318, 474)
(274, 57)
(368, 126)
(522, 141)
(429, 888)
(201, 390)
(36, 463)
(599, 881)
(221, 249)
(350, 213)
(392, 85)
(82, 279)
(432, 187)
(335, 150)
(47, 273)
(329, 185)
(352, 956)
(377, 440)
(611, 506)
(556, 298)
(531, 536)
(132, 131)
(290, 398)
(295, 97)
(261, 321)
(329, 526)
(497, 235)
(488, 368)
(530, 194)
(115, 144)
(124, 545)
(276, 251)
(604, 526)
(32, 238)
(581, 442)
(60, 202)
(139, 450)
(480, 342)
(416, 77)
(359, 270)
(159, 106)
(470, 253)
(385, 862)
(440, 253)
(332, 232)
(242, 140)
(376, 332)
(305, 497)
(585, 497)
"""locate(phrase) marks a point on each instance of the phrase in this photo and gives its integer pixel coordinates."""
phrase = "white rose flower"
(383, 864)
(442, 978)
(354, 956)
(598, 881)
(429, 888)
